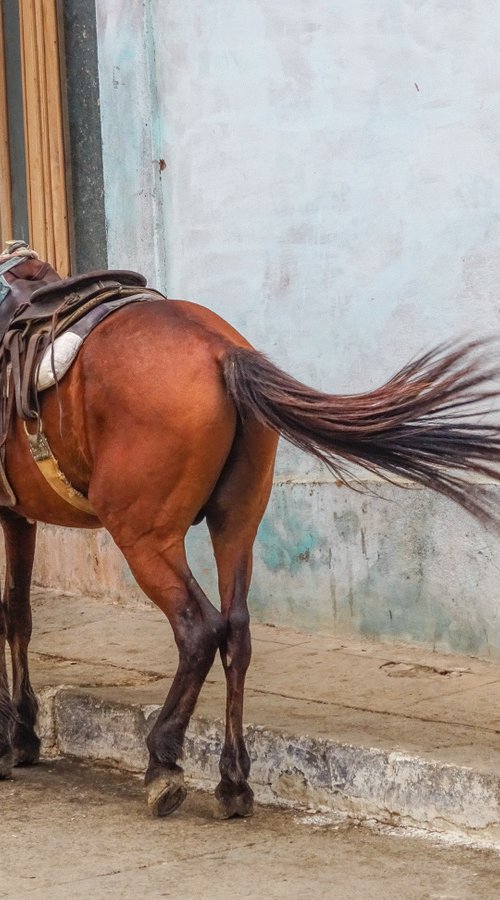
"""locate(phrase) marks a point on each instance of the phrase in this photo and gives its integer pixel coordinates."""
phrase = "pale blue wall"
(332, 188)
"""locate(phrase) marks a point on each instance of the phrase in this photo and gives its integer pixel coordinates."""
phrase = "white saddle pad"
(57, 359)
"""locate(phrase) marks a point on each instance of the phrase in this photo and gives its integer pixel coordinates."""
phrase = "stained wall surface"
(324, 176)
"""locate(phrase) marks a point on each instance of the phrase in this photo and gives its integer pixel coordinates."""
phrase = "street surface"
(73, 831)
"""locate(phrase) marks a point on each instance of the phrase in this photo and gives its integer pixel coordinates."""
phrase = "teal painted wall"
(330, 185)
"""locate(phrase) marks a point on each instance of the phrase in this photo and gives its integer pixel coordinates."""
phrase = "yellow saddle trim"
(48, 466)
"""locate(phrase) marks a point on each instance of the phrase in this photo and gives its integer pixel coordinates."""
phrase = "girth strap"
(47, 463)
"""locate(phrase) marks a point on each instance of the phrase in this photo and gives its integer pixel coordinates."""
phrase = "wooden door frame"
(45, 133)
(5, 186)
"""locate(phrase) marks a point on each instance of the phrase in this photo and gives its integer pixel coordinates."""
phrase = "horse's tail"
(425, 424)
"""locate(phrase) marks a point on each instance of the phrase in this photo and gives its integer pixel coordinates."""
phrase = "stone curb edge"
(365, 784)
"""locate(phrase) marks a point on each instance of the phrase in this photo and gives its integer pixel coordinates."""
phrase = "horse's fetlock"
(165, 745)
(234, 763)
(26, 709)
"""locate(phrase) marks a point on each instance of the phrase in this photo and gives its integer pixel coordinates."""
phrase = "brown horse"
(167, 416)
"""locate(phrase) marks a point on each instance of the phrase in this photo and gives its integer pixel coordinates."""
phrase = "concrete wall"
(329, 185)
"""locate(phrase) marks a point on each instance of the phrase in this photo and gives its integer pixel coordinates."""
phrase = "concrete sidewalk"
(386, 732)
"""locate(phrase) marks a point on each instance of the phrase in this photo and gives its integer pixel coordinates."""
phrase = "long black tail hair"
(425, 424)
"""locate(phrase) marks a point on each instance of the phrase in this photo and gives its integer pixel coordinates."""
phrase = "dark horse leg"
(20, 537)
(233, 515)
(6, 714)
(198, 627)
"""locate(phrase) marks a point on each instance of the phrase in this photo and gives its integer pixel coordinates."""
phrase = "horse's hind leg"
(20, 537)
(233, 516)
(161, 569)
(6, 714)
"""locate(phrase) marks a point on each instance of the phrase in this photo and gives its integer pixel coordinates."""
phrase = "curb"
(365, 784)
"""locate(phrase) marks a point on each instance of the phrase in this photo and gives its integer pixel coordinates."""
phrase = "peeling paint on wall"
(287, 542)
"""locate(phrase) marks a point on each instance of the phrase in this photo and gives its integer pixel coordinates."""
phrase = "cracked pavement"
(70, 830)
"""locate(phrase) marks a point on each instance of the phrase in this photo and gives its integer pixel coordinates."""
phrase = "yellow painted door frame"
(44, 133)
(5, 188)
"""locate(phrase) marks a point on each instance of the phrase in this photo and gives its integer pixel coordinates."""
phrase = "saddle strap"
(29, 405)
(16, 352)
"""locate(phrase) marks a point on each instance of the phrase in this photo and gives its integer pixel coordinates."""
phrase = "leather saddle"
(36, 291)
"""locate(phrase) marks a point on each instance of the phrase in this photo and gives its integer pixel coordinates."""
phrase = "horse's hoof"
(26, 756)
(234, 801)
(166, 793)
(6, 764)
(26, 747)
